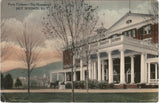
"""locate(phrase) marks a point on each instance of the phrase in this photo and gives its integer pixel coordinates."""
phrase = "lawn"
(81, 97)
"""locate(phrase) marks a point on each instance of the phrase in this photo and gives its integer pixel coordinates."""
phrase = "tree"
(5, 47)
(2, 81)
(154, 11)
(29, 53)
(66, 22)
(18, 83)
(8, 81)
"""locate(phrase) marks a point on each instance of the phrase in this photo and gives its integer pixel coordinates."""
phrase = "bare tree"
(5, 47)
(154, 11)
(85, 52)
(66, 22)
(30, 51)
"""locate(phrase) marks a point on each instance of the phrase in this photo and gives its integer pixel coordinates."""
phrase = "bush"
(101, 85)
(142, 85)
(111, 85)
(82, 85)
(104, 85)
(62, 83)
(92, 84)
(68, 85)
(18, 83)
(8, 81)
(76, 85)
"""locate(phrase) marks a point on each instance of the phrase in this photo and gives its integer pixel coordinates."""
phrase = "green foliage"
(92, 84)
(68, 86)
(2, 81)
(18, 83)
(79, 84)
(102, 85)
(8, 82)
(82, 84)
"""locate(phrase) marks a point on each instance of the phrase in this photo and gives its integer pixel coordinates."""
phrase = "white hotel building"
(126, 53)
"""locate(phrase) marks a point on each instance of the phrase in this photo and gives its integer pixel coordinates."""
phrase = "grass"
(81, 97)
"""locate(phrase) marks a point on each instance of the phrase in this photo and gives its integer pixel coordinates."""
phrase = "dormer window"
(128, 21)
(130, 33)
(145, 30)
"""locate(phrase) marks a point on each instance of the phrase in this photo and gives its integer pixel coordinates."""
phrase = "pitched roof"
(131, 14)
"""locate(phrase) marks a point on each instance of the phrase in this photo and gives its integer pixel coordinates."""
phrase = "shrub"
(141, 85)
(76, 85)
(68, 85)
(18, 83)
(8, 81)
(62, 83)
(92, 84)
(82, 85)
(111, 85)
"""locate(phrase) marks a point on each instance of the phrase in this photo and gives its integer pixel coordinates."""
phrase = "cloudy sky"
(109, 11)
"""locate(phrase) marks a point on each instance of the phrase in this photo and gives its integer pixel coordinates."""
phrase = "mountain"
(37, 71)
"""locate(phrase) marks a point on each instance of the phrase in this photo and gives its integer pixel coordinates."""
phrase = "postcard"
(79, 51)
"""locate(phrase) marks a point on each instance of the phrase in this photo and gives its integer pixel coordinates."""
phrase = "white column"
(95, 72)
(156, 71)
(132, 69)
(83, 75)
(81, 69)
(50, 77)
(142, 68)
(107, 74)
(149, 71)
(122, 67)
(99, 67)
(89, 69)
(74, 76)
(57, 76)
(92, 73)
(145, 69)
(110, 62)
(65, 77)
(102, 70)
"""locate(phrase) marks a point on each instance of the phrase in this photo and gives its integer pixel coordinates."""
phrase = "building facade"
(126, 53)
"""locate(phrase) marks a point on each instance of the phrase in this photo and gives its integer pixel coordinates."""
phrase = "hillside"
(36, 72)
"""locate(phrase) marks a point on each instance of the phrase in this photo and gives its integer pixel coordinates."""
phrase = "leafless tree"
(85, 51)
(66, 22)
(5, 47)
(154, 11)
(29, 52)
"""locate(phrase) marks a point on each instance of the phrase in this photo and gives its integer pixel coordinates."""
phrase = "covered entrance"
(152, 71)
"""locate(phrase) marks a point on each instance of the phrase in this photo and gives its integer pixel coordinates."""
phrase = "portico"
(121, 52)
(124, 54)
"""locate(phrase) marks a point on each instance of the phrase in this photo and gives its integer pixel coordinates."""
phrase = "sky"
(109, 11)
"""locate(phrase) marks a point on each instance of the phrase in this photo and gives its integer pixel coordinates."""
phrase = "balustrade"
(154, 81)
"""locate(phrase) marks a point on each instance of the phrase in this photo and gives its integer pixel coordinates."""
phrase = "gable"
(128, 20)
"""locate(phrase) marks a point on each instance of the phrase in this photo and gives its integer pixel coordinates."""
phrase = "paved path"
(84, 91)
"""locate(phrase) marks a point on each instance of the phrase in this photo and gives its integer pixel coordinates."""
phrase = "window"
(145, 30)
(128, 21)
(130, 33)
(134, 33)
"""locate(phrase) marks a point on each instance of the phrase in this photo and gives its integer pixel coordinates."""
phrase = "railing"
(104, 42)
(127, 40)
(141, 42)
(154, 81)
(116, 39)
(94, 45)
